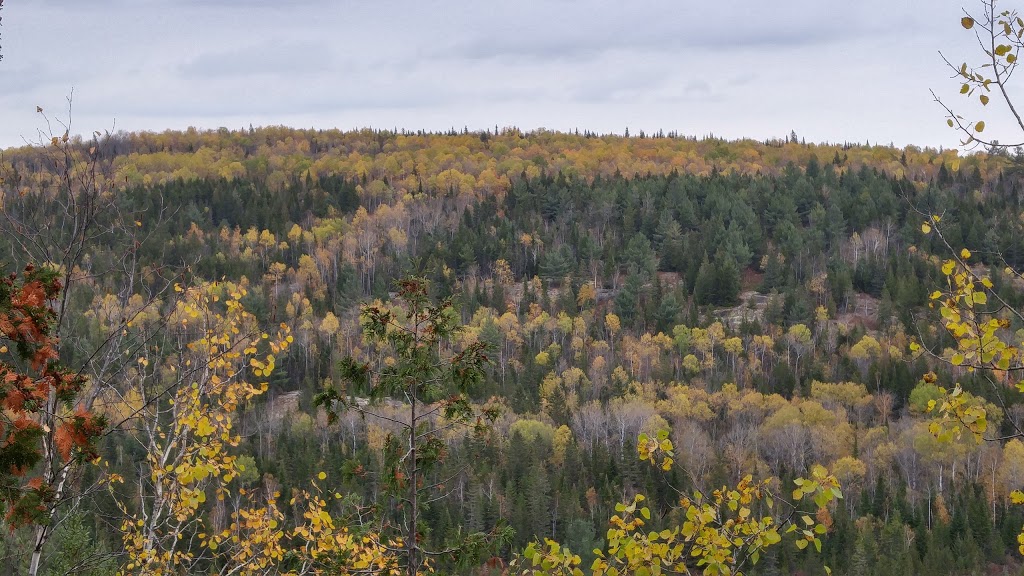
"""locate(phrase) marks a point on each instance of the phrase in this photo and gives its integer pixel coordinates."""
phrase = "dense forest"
(757, 300)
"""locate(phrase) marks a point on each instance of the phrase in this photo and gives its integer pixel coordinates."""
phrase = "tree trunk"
(41, 536)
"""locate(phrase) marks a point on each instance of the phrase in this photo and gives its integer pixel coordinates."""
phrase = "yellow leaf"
(967, 22)
(204, 428)
(979, 126)
(926, 228)
(322, 476)
(965, 253)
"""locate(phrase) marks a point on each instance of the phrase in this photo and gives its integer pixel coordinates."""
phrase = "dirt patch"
(751, 279)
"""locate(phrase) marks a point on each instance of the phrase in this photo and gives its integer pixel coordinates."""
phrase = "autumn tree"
(976, 316)
(45, 431)
(62, 216)
(190, 394)
(418, 366)
(189, 508)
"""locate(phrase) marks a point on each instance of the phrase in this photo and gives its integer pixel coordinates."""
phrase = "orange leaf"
(62, 437)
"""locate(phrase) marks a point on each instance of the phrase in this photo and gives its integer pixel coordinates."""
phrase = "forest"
(225, 342)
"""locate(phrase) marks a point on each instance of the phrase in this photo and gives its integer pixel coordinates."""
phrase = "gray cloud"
(831, 69)
(275, 57)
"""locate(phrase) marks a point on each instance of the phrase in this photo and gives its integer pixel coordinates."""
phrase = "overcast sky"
(832, 70)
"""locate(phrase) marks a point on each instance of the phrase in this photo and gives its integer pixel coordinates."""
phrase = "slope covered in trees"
(756, 300)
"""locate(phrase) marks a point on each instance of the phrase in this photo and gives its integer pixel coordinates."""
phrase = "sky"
(830, 70)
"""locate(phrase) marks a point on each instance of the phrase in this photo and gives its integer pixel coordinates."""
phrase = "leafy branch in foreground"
(1000, 36)
(716, 534)
(982, 325)
(42, 432)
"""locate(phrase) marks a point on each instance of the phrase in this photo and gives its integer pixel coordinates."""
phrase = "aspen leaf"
(979, 126)
(967, 22)
(926, 228)
(203, 428)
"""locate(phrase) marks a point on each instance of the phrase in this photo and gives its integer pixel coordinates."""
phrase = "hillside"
(756, 299)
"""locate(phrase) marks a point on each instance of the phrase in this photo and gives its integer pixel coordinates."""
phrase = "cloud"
(274, 58)
(574, 30)
(839, 69)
